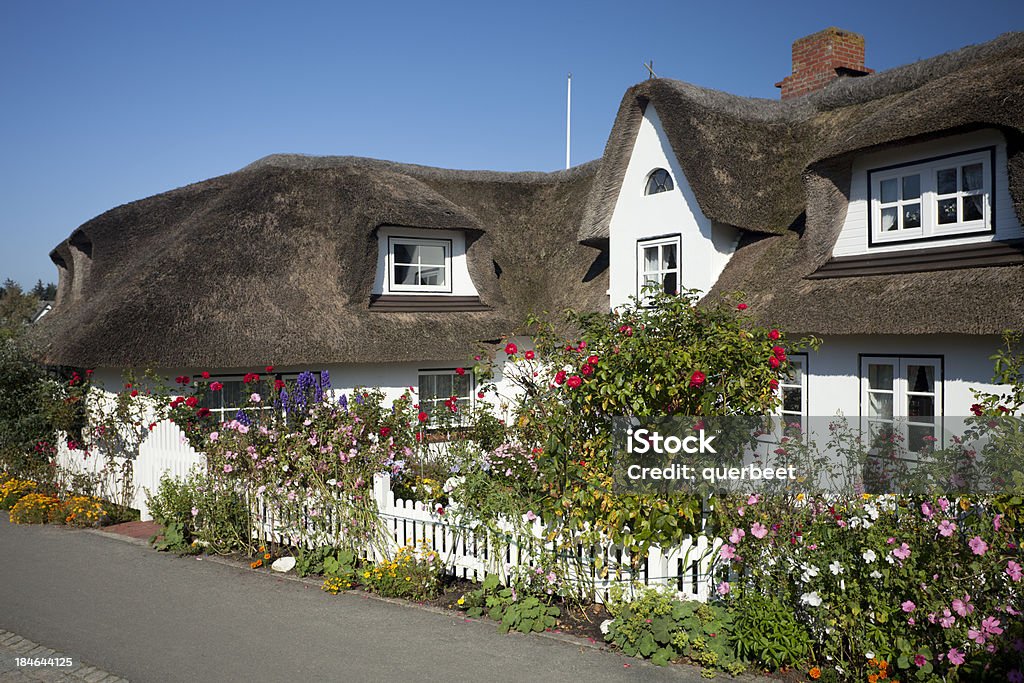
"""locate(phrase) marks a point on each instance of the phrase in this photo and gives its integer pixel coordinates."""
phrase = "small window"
(437, 388)
(793, 393)
(659, 264)
(902, 397)
(943, 197)
(419, 265)
(658, 181)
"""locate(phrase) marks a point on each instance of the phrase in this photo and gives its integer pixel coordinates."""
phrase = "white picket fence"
(468, 552)
(165, 450)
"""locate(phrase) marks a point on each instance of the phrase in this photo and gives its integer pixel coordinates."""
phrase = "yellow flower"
(462, 600)
(366, 575)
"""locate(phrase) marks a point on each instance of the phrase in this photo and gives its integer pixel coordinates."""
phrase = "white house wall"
(853, 238)
(834, 383)
(462, 283)
(705, 247)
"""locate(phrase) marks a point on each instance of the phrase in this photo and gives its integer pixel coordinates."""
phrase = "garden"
(516, 515)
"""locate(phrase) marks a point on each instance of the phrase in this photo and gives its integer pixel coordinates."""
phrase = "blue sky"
(102, 103)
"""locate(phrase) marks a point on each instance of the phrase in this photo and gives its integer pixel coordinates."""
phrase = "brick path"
(13, 646)
(143, 530)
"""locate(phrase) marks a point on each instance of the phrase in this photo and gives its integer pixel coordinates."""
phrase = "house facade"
(880, 212)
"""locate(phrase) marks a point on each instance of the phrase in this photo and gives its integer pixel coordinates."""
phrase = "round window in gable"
(658, 181)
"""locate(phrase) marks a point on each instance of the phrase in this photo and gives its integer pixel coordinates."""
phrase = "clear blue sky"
(102, 103)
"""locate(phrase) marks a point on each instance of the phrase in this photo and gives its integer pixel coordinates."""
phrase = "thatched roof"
(744, 157)
(275, 264)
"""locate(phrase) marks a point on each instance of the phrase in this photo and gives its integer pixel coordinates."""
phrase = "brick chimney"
(822, 57)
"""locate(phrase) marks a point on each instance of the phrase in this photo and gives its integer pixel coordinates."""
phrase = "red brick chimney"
(822, 57)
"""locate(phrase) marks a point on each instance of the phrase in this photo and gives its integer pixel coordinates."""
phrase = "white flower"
(605, 625)
(890, 559)
(869, 655)
(810, 571)
(869, 556)
(812, 599)
(836, 568)
(871, 510)
(875, 574)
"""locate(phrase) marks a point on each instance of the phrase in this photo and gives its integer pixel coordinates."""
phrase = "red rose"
(191, 401)
(384, 431)
(511, 349)
(593, 360)
(278, 384)
(582, 345)
(774, 362)
(135, 392)
(774, 384)
(626, 330)
(476, 357)
(560, 377)
(128, 386)
(587, 369)
(574, 382)
(269, 368)
(88, 373)
(779, 352)
(529, 355)
(741, 307)
(697, 378)
(422, 417)
(460, 372)
(202, 412)
(773, 335)
(216, 386)
(251, 377)
(977, 409)
(479, 394)
(205, 375)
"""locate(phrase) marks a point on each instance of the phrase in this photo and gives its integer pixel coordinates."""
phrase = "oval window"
(658, 181)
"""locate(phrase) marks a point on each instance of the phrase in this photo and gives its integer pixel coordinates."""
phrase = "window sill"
(401, 303)
(983, 255)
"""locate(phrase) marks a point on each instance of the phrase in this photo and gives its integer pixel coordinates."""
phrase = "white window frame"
(465, 403)
(927, 170)
(659, 242)
(901, 395)
(228, 413)
(801, 384)
(445, 244)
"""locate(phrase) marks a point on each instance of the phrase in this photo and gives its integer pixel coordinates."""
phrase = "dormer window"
(419, 265)
(658, 181)
(946, 196)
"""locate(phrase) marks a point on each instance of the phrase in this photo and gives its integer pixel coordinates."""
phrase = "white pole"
(568, 118)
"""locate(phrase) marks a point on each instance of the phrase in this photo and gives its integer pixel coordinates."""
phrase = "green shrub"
(768, 632)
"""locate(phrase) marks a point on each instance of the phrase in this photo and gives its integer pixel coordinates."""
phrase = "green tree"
(16, 309)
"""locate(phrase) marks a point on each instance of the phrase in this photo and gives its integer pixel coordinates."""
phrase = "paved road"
(149, 616)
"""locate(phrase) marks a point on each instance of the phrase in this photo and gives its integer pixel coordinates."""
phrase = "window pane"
(945, 181)
(460, 386)
(670, 284)
(431, 255)
(650, 259)
(668, 254)
(433, 277)
(231, 394)
(912, 216)
(921, 378)
(974, 207)
(880, 405)
(947, 211)
(889, 189)
(889, 220)
(405, 275)
(405, 253)
(911, 187)
(971, 177)
(427, 387)
(796, 371)
(917, 437)
(792, 400)
(880, 376)
(920, 407)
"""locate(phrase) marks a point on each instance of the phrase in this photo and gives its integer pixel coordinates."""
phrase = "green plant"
(767, 632)
(513, 610)
(34, 508)
(413, 573)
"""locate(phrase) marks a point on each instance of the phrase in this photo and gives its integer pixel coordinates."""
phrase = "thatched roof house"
(276, 262)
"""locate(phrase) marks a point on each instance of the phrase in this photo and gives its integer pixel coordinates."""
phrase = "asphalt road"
(151, 616)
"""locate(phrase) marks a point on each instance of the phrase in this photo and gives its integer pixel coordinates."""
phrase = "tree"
(16, 309)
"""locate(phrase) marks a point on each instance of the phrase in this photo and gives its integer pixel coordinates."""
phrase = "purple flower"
(325, 380)
(963, 606)
(978, 546)
(920, 660)
(242, 418)
(976, 636)
(1015, 676)
(990, 625)
(908, 606)
(926, 510)
(343, 401)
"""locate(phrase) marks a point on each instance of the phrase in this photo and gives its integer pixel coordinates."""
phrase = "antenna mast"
(568, 117)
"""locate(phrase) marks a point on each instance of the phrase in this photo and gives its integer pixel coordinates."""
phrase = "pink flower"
(736, 536)
(943, 504)
(920, 660)
(997, 522)
(978, 546)
(947, 619)
(903, 552)
(530, 516)
(976, 636)
(728, 552)
(955, 657)
(908, 606)
(723, 588)
(1013, 570)
(752, 500)
(926, 510)
(963, 607)
(759, 530)
(990, 626)
(946, 528)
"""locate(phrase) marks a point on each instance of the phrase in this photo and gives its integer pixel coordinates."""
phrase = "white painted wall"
(834, 383)
(706, 247)
(462, 283)
(853, 238)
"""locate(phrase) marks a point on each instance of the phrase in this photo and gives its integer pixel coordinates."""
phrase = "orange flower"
(814, 673)
(883, 664)
(873, 678)
(266, 556)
